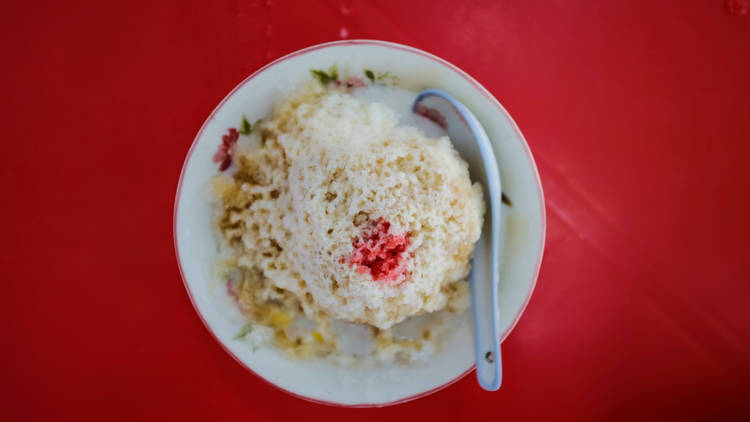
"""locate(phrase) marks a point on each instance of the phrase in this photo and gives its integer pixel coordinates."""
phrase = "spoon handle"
(486, 320)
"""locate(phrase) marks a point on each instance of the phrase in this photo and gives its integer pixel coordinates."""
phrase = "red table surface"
(637, 112)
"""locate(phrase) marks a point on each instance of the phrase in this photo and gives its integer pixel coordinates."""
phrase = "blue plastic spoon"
(471, 142)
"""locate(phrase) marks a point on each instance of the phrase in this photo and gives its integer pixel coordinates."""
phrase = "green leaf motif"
(245, 127)
(333, 72)
(326, 77)
(246, 329)
(321, 76)
(383, 78)
(506, 200)
(387, 77)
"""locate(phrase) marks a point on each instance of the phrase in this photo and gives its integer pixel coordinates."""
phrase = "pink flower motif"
(232, 287)
(355, 82)
(432, 114)
(223, 155)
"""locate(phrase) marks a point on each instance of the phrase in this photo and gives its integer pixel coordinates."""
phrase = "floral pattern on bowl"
(225, 152)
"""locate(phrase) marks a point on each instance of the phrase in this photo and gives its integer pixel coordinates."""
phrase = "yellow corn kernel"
(280, 318)
(221, 184)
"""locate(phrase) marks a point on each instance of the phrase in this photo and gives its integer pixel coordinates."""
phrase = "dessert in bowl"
(326, 244)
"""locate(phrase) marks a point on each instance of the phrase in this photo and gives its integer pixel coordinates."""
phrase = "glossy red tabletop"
(638, 114)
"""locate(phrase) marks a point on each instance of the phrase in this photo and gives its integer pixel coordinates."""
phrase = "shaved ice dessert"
(332, 214)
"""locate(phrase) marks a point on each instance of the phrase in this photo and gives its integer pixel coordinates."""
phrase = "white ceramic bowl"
(321, 381)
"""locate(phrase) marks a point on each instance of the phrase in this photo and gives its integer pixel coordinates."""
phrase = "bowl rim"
(439, 61)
